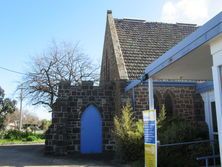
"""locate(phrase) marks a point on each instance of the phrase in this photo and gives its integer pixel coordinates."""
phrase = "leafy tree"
(7, 106)
(64, 62)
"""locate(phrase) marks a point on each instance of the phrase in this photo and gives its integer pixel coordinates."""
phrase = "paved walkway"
(33, 155)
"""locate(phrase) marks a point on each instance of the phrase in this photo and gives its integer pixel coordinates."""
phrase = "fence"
(208, 158)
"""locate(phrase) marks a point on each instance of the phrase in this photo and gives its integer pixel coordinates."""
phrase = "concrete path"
(33, 155)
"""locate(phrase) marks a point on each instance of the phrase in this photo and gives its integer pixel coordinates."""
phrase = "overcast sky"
(28, 27)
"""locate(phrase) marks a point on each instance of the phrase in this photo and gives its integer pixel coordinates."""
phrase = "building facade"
(129, 46)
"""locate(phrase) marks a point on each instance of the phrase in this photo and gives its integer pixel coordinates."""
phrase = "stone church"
(82, 117)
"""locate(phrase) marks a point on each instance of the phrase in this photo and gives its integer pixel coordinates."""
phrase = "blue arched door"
(91, 131)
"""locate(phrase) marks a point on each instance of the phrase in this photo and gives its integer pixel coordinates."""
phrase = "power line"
(17, 72)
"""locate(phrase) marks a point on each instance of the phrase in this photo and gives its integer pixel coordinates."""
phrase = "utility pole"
(21, 99)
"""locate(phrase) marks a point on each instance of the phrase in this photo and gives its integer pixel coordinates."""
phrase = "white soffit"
(194, 66)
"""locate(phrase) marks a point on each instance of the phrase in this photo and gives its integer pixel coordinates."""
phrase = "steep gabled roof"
(143, 42)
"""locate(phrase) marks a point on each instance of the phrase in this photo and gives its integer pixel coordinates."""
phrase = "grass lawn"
(8, 141)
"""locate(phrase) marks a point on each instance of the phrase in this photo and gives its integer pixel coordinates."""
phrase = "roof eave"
(202, 35)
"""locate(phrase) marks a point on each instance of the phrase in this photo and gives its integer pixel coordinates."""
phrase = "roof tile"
(143, 42)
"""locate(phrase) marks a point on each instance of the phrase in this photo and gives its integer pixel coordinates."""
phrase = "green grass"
(8, 141)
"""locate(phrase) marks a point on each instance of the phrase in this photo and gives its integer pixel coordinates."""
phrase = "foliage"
(128, 135)
(177, 130)
(161, 117)
(45, 124)
(31, 138)
(7, 141)
(130, 145)
(7, 106)
(64, 62)
(23, 136)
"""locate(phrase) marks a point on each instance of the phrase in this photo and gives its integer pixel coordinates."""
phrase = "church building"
(82, 117)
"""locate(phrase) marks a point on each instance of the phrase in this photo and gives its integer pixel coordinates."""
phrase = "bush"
(13, 135)
(24, 136)
(128, 135)
(31, 138)
(177, 130)
(129, 139)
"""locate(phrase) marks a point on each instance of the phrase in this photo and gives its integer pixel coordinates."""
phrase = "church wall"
(186, 101)
(63, 137)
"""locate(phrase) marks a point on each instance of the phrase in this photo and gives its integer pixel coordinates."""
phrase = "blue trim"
(202, 35)
(204, 87)
(132, 84)
(162, 84)
(173, 84)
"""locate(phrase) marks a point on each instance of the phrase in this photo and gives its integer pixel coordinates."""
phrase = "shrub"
(128, 135)
(31, 138)
(24, 136)
(177, 130)
(13, 135)
(129, 139)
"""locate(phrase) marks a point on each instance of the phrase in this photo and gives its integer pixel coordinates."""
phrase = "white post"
(216, 51)
(151, 97)
(208, 97)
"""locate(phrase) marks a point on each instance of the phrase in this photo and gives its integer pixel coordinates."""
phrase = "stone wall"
(63, 136)
(186, 102)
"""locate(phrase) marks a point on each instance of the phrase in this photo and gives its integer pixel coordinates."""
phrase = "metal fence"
(204, 158)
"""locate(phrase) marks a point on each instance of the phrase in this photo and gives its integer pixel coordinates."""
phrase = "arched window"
(168, 102)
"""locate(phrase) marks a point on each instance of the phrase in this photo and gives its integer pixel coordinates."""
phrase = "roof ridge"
(134, 19)
(154, 22)
(186, 24)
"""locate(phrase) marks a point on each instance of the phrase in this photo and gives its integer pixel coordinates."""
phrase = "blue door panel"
(91, 131)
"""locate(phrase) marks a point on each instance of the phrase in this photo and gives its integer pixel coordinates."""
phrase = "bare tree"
(27, 117)
(64, 62)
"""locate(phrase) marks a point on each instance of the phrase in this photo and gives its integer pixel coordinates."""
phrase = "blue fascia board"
(134, 83)
(204, 87)
(202, 35)
(173, 84)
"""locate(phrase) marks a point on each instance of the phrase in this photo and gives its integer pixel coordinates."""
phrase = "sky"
(27, 28)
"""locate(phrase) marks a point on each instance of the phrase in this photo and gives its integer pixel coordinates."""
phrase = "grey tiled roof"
(143, 42)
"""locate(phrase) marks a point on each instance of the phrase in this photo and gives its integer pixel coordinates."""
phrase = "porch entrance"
(91, 131)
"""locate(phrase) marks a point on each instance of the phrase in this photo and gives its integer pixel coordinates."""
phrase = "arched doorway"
(91, 131)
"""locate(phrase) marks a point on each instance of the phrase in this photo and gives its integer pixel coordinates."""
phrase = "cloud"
(190, 11)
